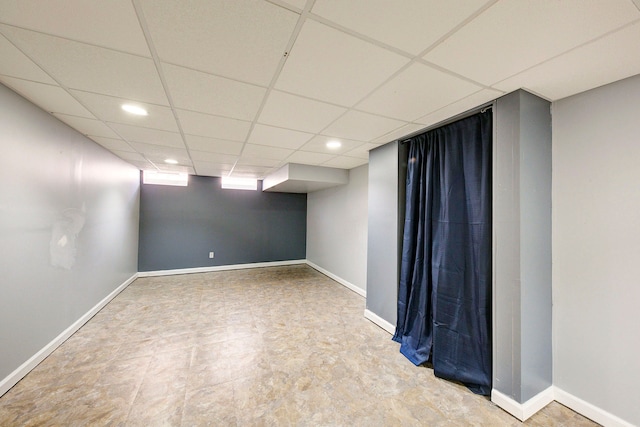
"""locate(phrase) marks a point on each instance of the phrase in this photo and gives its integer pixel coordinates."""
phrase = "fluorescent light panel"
(334, 145)
(234, 183)
(134, 109)
(179, 179)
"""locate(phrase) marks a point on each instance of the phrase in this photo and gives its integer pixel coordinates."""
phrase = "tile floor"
(269, 346)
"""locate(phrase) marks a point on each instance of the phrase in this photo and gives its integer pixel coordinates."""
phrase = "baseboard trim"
(379, 321)
(218, 268)
(523, 411)
(20, 372)
(340, 280)
(589, 410)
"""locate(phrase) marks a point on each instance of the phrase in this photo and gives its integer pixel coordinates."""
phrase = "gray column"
(522, 356)
(386, 184)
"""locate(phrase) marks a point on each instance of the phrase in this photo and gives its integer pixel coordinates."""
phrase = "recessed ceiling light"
(171, 161)
(334, 145)
(134, 109)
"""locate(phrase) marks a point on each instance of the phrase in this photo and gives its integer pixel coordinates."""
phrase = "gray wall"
(522, 246)
(596, 247)
(68, 227)
(383, 232)
(179, 226)
(337, 228)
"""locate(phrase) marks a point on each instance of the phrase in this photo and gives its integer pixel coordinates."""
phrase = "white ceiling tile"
(213, 126)
(398, 133)
(417, 91)
(92, 69)
(308, 158)
(221, 57)
(514, 35)
(294, 112)
(15, 64)
(318, 144)
(250, 171)
(240, 39)
(396, 24)
(142, 164)
(361, 126)
(577, 71)
(147, 135)
(88, 126)
(113, 144)
(252, 151)
(362, 151)
(159, 153)
(459, 107)
(159, 161)
(258, 161)
(109, 109)
(213, 145)
(128, 155)
(176, 168)
(344, 162)
(278, 137)
(113, 24)
(197, 91)
(203, 168)
(53, 99)
(297, 3)
(205, 156)
(311, 68)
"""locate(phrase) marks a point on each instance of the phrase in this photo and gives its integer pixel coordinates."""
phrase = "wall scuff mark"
(64, 233)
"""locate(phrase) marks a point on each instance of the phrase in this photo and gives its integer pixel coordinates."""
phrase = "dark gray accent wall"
(522, 246)
(384, 236)
(179, 226)
(68, 227)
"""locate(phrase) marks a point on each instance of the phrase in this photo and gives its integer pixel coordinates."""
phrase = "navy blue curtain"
(444, 299)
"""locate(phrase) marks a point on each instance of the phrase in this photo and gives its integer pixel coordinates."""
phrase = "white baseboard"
(343, 282)
(589, 410)
(379, 321)
(218, 268)
(13, 378)
(523, 411)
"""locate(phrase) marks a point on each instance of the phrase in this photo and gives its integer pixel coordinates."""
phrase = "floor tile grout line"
(327, 346)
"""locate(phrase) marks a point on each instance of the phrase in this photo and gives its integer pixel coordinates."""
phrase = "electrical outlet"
(211, 254)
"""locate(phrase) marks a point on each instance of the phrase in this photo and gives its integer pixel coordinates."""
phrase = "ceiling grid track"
(163, 81)
(242, 88)
(296, 31)
(586, 43)
(68, 91)
(412, 60)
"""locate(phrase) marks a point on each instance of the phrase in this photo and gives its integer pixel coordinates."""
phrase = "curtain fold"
(444, 299)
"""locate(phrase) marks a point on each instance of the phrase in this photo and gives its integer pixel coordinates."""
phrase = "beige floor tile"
(210, 406)
(268, 346)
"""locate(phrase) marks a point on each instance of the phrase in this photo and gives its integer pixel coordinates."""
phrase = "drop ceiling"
(244, 87)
